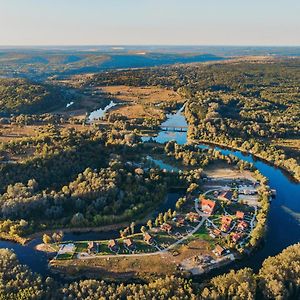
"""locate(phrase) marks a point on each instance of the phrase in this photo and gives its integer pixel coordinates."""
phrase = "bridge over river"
(174, 128)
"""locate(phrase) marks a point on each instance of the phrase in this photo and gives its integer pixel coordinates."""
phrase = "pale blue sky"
(185, 22)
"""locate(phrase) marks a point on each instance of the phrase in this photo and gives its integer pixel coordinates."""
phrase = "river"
(283, 225)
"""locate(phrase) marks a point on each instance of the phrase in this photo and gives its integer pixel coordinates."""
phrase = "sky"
(149, 22)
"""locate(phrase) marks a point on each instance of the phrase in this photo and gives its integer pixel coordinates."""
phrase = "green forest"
(22, 96)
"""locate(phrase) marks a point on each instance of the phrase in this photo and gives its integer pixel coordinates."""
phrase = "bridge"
(174, 128)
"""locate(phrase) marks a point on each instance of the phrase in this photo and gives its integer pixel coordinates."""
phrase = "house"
(148, 238)
(207, 205)
(226, 222)
(242, 225)
(179, 221)
(247, 190)
(240, 215)
(192, 216)
(166, 227)
(236, 237)
(216, 232)
(113, 246)
(92, 247)
(219, 250)
(226, 196)
(128, 243)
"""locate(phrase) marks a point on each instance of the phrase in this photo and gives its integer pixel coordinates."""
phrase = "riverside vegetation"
(62, 177)
(273, 281)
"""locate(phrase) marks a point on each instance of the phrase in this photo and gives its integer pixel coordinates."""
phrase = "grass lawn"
(81, 247)
(65, 256)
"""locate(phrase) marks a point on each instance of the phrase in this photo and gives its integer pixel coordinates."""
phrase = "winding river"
(283, 226)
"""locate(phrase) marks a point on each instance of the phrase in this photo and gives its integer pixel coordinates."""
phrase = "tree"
(149, 224)
(46, 239)
(132, 225)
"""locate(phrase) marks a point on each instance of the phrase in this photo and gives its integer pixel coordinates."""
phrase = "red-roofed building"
(219, 250)
(240, 215)
(112, 245)
(236, 237)
(192, 216)
(128, 243)
(226, 222)
(148, 238)
(207, 205)
(242, 225)
(166, 227)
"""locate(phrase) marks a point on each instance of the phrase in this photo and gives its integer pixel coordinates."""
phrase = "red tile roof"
(240, 214)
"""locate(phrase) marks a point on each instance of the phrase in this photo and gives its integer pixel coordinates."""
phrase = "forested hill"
(22, 96)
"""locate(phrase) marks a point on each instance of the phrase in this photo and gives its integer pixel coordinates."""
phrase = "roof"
(226, 220)
(166, 226)
(112, 243)
(128, 242)
(243, 224)
(91, 244)
(219, 249)
(147, 236)
(192, 215)
(226, 194)
(236, 236)
(207, 203)
(240, 214)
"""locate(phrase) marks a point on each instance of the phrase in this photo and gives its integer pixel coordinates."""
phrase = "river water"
(283, 226)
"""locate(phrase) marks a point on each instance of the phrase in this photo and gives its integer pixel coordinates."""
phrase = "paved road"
(204, 218)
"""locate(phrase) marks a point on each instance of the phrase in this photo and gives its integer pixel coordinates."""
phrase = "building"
(240, 215)
(148, 238)
(225, 223)
(219, 250)
(192, 216)
(128, 243)
(166, 227)
(207, 205)
(247, 190)
(92, 247)
(179, 221)
(225, 196)
(216, 232)
(242, 225)
(113, 246)
(236, 237)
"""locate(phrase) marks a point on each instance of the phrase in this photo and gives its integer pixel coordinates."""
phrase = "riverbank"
(225, 146)
(14, 238)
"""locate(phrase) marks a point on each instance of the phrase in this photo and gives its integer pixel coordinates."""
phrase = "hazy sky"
(188, 22)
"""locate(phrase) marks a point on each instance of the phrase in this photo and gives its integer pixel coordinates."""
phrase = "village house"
(113, 246)
(192, 216)
(92, 247)
(180, 221)
(148, 238)
(166, 227)
(219, 250)
(240, 215)
(247, 190)
(236, 237)
(207, 205)
(226, 196)
(128, 243)
(225, 223)
(242, 225)
(215, 233)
